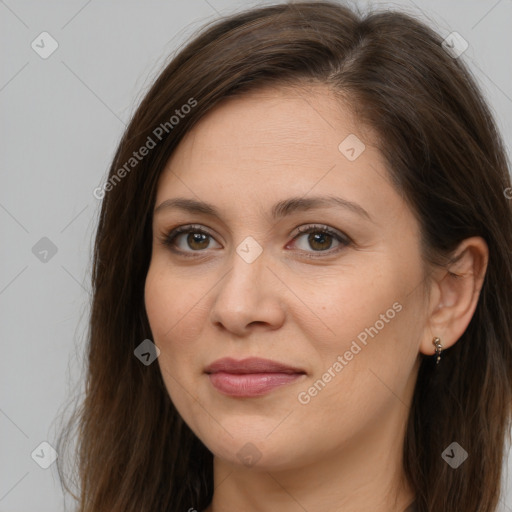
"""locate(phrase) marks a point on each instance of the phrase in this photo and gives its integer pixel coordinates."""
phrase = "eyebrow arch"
(279, 210)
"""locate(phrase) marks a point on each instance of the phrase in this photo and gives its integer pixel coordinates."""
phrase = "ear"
(454, 294)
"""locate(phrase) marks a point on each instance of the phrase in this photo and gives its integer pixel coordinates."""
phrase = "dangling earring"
(439, 348)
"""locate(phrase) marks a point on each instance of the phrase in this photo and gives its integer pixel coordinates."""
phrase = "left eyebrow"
(279, 210)
(293, 204)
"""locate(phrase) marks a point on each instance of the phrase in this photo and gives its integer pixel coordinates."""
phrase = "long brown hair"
(446, 158)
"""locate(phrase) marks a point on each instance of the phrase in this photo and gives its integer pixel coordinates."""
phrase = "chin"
(252, 449)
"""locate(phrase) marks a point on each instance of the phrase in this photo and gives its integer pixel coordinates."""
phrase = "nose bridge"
(248, 266)
(246, 294)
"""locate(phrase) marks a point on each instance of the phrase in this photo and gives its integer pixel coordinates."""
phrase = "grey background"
(62, 118)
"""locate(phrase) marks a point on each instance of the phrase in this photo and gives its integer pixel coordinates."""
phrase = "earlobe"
(457, 290)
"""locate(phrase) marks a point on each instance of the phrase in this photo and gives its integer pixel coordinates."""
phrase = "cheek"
(172, 319)
(348, 307)
(158, 298)
(368, 319)
(169, 306)
(176, 317)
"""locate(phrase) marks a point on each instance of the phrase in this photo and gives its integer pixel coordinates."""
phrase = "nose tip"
(247, 296)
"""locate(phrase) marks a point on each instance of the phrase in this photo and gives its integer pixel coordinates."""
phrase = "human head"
(442, 152)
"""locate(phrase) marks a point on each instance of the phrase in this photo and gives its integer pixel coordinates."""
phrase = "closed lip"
(250, 365)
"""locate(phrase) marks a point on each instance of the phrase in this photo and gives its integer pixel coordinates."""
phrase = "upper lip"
(250, 365)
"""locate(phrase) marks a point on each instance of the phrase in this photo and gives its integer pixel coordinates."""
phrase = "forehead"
(273, 132)
(275, 121)
(254, 151)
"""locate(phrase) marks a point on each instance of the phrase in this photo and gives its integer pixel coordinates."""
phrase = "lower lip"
(250, 384)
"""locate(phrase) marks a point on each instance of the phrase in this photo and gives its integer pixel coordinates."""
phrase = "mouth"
(251, 377)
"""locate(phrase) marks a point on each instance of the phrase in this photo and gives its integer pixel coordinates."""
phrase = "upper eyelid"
(200, 228)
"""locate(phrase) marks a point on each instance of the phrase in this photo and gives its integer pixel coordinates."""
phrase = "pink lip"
(250, 377)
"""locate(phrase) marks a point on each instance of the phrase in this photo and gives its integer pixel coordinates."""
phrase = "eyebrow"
(279, 210)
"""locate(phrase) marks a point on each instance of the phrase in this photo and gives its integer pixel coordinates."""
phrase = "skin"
(341, 450)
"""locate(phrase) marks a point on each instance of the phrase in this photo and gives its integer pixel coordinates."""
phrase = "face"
(332, 290)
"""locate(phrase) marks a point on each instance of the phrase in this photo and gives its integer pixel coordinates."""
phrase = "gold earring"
(439, 348)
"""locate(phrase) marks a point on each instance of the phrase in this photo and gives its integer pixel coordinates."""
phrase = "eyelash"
(345, 241)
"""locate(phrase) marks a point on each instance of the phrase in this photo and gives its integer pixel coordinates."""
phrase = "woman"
(302, 278)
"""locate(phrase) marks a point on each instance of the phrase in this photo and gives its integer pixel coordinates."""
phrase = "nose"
(248, 297)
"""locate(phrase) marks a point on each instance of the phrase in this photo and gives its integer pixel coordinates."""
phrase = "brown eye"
(317, 239)
(197, 239)
(320, 239)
